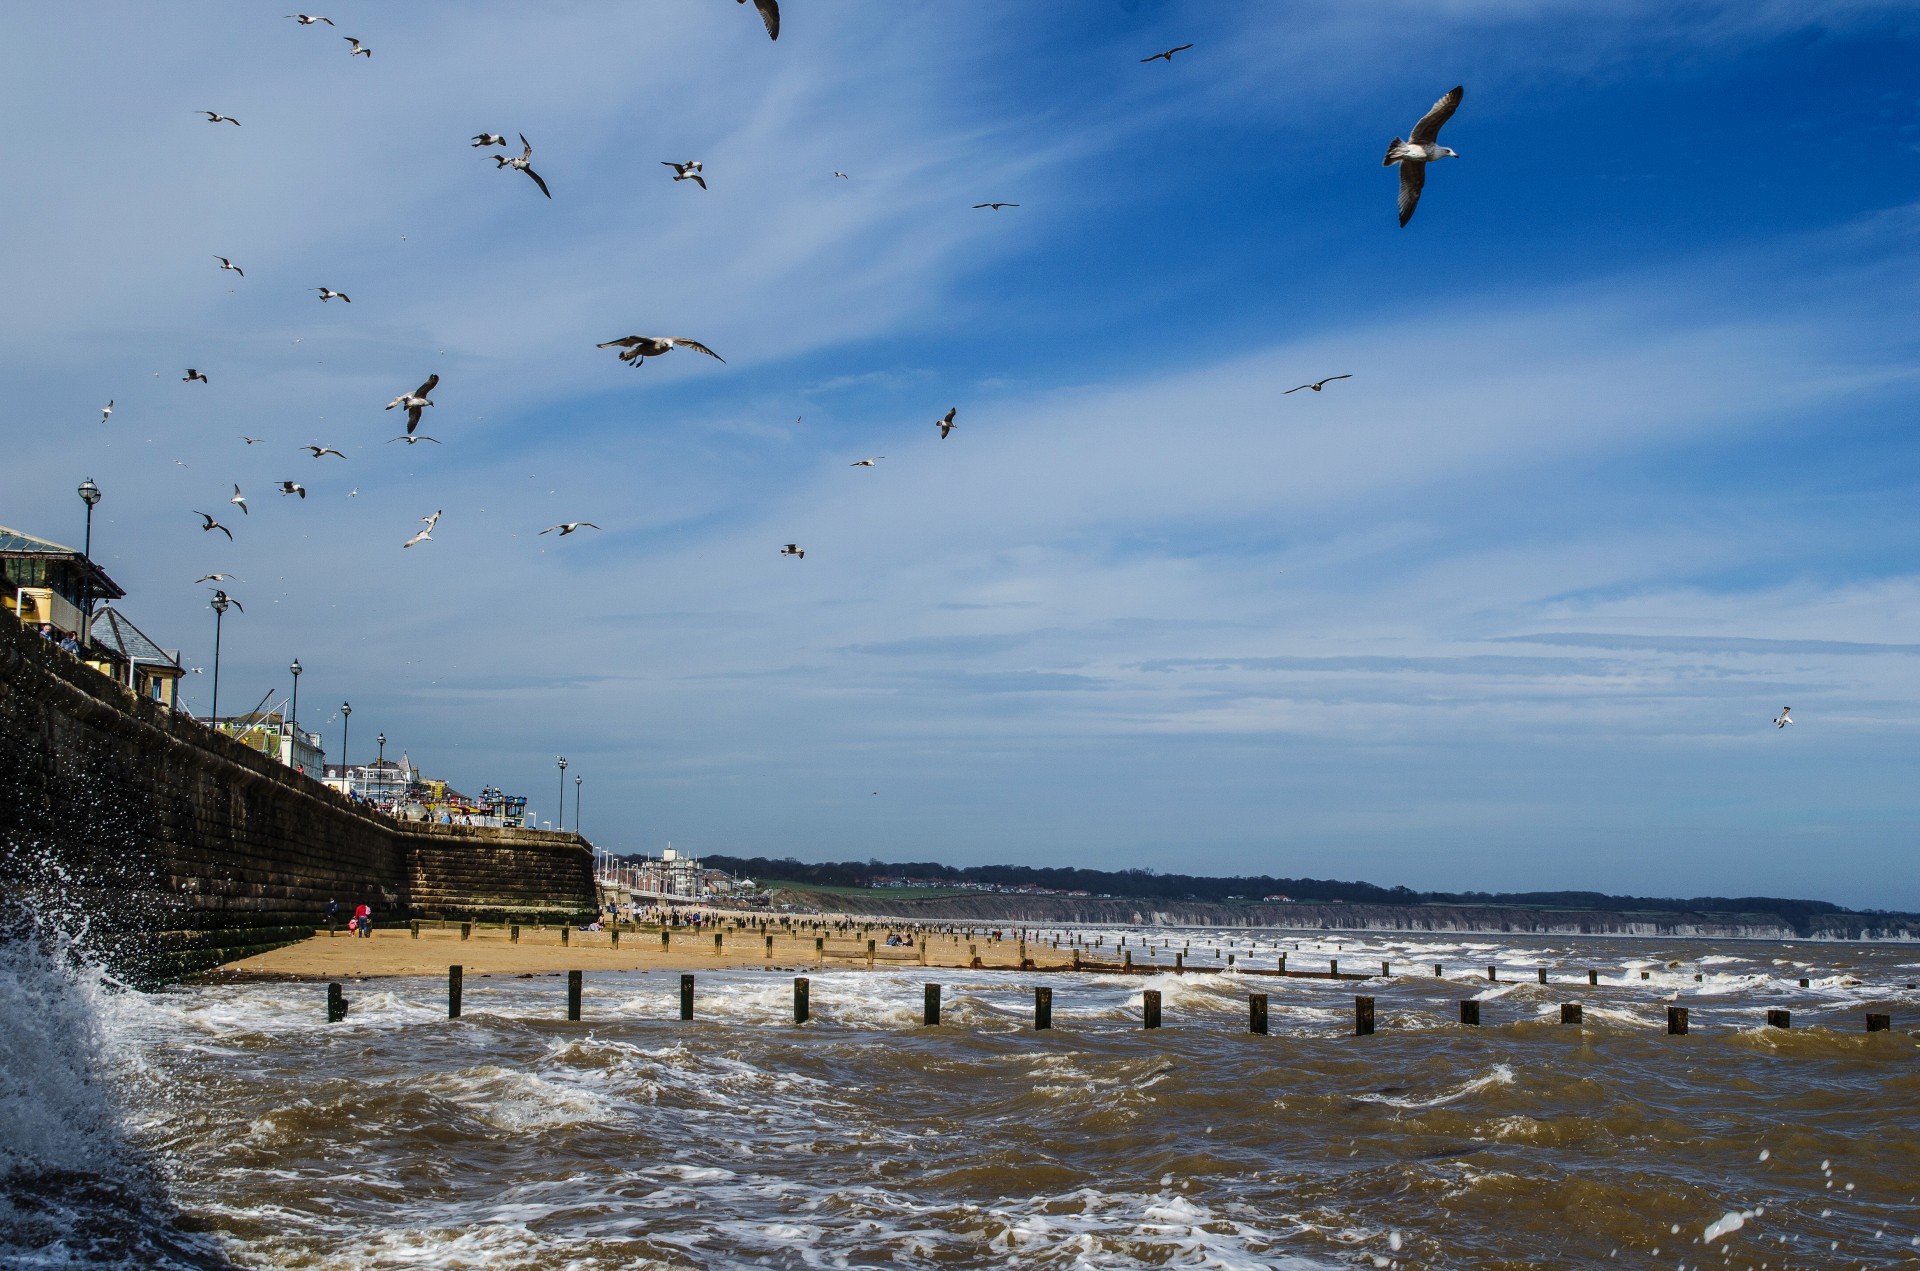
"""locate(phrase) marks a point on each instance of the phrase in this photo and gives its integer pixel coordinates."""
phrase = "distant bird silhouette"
(945, 423)
(994, 206)
(688, 171)
(636, 349)
(193, 375)
(358, 49)
(308, 19)
(415, 440)
(1784, 718)
(488, 139)
(215, 117)
(106, 412)
(523, 164)
(227, 264)
(250, 440)
(1422, 147)
(843, 176)
(211, 578)
(568, 527)
(327, 294)
(770, 15)
(793, 550)
(415, 402)
(239, 500)
(293, 487)
(1320, 384)
(322, 451)
(1167, 56)
(868, 462)
(212, 524)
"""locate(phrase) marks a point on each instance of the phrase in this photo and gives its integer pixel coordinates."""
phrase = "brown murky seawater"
(511, 1138)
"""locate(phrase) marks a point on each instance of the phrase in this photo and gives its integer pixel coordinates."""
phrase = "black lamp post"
(220, 603)
(563, 795)
(346, 781)
(577, 779)
(89, 495)
(382, 740)
(296, 668)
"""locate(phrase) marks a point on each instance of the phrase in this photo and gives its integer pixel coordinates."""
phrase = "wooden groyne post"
(454, 974)
(1257, 1013)
(802, 1009)
(1042, 1008)
(1150, 1008)
(1470, 1012)
(1570, 1012)
(1779, 1019)
(931, 1015)
(573, 994)
(336, 1003)
(686, 996)
(1363, 1017)
(1877, 1023)
(1676, 1021)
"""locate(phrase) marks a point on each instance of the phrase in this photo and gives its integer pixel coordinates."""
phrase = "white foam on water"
(1498, 1075)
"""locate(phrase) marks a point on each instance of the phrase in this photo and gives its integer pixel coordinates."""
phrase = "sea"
(233, 1126)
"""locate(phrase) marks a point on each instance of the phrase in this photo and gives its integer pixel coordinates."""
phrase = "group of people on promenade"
(359, 923)
(65, 639)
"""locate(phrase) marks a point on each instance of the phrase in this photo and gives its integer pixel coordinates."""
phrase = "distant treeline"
(1147, 884)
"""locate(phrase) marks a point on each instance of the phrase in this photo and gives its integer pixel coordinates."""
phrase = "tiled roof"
(114, 632)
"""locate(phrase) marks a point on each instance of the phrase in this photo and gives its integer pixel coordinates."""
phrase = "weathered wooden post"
(1779, 1019)
(1127, 955)
(1877, 1023)
(801, 1008)
(466, 931)
(870, 955)
(1333, 968)
(615, 941)
(336, 1003)
(1257, 1013)
(719, 943)
(1362, 1017)
(666, 940)
(1648, 975)
(1470, 1012)
(1386, 970)
(1676, 1020)
(1438, 974)
(820, 949)
(414, 926)
(573, 994)
(1805, 984)
(1593, 976)
(453, 991)
(1042, 1008)
(1150, 1009)
(931, 1015)
(1180, 963)
(513, 934)
(1570, 1012)
(1493, 974)
(1543, 974)
(686, 996)
(566, 935)
(1283, 964)
(769, 947)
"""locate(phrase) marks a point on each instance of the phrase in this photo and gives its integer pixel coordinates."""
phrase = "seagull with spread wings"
(868, 462)
(688, 171)
(193, 375)
(1319, 384)
(488, 139)
(293, 487)
(227, 264)
(1421, 148)
(945, 423)
(415, 402)
(212, 524)
(794, 550)
(568, 527)
(636, 349)
(1784, 718)
(211, 578)
(106, 412)
(327, 293)
(308, 19)
(769, 15)
(239, 500)
(1167, 56)
(215, 117)
(358, 49)
(414, 440)
(322, 451)
(524, 163)
(993, 206)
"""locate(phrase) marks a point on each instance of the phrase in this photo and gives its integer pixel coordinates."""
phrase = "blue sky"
(1628, 459)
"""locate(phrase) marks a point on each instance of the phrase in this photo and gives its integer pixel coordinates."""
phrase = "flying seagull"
(250, 440)
(211, 578)
(327, 293)
(488, 139)
(568, 527)
(638, 348)
(1319, 384)
(433, 520)
(106, 411)
(688, 171)
(321, 451)
(227, 264)
(212, 524)
(1785, 717)
(415, 402)
(995, 206)
(1424, 147)
(239, 500)
(308, 19)
(413, 440)
(868, 462)
(843, 176)
(215, 117)
(523, 164)
(793, 550)
(423, 536)
(769, 14)
(358, 49)
(945, 423)
(193, 375)
(1167, 56)
(293, 487)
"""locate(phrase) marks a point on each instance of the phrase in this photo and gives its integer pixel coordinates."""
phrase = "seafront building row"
(66, 596)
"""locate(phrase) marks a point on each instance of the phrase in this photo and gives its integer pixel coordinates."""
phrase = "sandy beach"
(490, 949)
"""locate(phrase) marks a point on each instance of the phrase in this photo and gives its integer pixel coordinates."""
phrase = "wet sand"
(492, 951)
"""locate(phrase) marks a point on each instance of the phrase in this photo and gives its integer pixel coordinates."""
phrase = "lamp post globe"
(381, 741)
(346, 780)
(294, 723)
(89, 494)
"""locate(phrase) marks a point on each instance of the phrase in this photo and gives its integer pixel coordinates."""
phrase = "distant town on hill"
(1147, 884)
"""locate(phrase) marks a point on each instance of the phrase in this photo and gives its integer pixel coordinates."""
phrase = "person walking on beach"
(333, 914)
(364, 916)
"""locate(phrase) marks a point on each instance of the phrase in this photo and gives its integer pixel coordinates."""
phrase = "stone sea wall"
(1487, 919)
(188, 848)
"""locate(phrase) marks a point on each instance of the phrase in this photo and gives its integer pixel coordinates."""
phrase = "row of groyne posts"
(1150, 1011)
